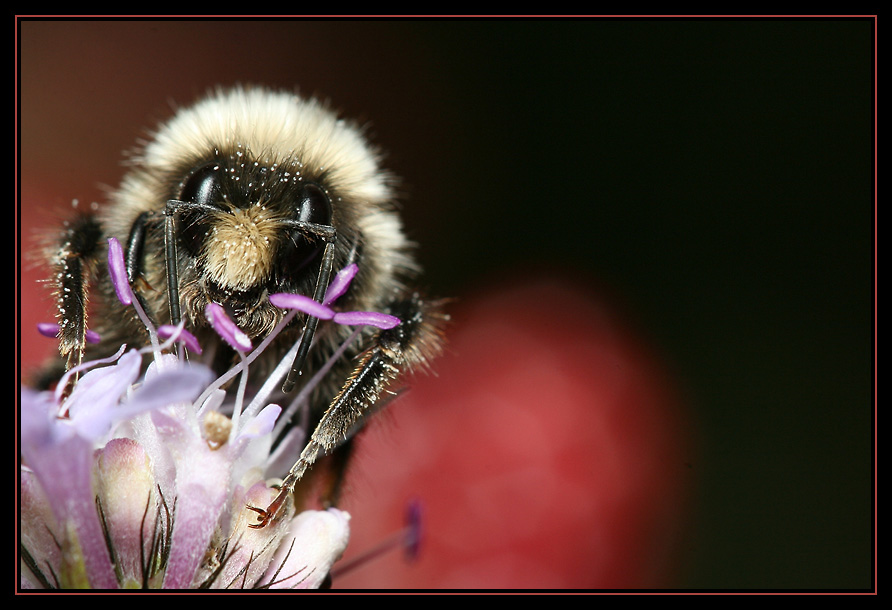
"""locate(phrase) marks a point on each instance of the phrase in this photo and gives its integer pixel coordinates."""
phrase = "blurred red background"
(548, 451)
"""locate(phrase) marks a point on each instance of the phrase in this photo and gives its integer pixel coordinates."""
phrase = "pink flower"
(142, 478)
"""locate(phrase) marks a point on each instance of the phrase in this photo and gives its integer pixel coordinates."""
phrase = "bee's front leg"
(393, 353)
(74, 264)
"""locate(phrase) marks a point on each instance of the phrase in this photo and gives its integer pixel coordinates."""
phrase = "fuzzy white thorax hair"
(274, 125)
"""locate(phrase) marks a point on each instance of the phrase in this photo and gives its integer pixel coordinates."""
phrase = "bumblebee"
(247, 193)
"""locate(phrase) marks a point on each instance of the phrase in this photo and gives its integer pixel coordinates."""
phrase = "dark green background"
(717, 175)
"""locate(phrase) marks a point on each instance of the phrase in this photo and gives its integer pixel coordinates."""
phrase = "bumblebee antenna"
(170, 251)
(310, 329)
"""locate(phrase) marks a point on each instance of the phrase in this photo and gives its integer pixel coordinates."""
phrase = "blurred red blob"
(549, 452)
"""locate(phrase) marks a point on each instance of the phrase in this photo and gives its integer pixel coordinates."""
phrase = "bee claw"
(270, 513)
(263, 519)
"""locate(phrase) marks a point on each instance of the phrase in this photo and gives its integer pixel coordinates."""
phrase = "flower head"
(144, 477)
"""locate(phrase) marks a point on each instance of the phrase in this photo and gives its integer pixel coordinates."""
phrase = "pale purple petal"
(281, 458)
(97, 403)
(340, 283)
(243, 449)
(249, 558)
(63, 462)
(302, 303)
(166, 331)
(38, 414)
(63, 383)
(182, 384)
(126, 487)
(262, 424)
(65, 473)
(366, 318)
(226, 328)
(202, 489)
(92, 404)
(320, 538)
(118, 272)
(38, 527)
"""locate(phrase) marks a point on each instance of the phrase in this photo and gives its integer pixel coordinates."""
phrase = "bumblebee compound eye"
(203, 185)
(305, 240)
(314, 205)
(201, 188)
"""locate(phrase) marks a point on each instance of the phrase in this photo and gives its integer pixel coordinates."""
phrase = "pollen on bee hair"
(240, 255)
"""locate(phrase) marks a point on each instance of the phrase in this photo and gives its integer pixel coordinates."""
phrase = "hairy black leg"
(393, 352)
(74, 264)
(337, 469)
